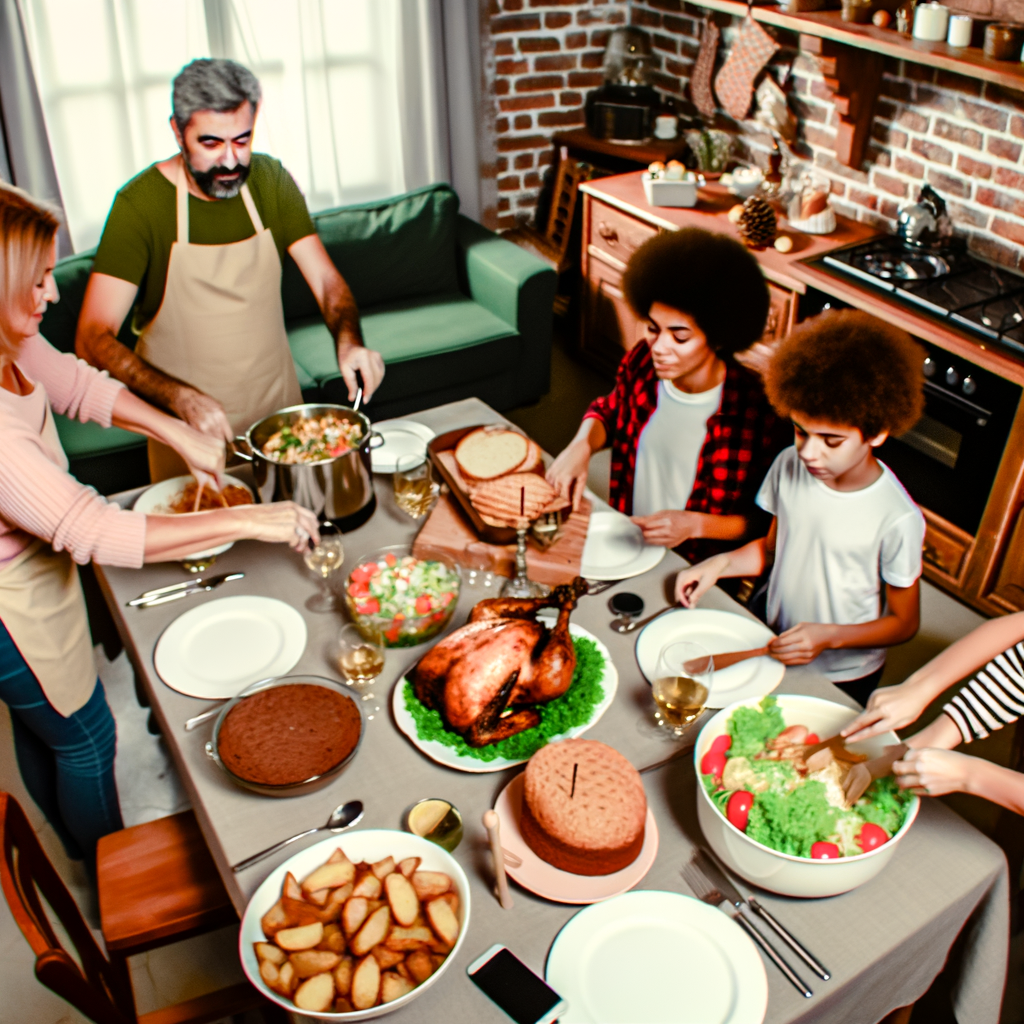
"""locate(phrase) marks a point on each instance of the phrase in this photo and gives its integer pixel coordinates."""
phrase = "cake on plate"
(584, 807)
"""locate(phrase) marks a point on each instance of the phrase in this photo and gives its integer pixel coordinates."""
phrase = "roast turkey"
(486, 677)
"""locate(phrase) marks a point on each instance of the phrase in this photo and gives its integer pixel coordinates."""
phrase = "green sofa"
(455, 310)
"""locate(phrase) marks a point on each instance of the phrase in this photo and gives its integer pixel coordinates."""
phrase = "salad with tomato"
(757, 775)
(398, 600)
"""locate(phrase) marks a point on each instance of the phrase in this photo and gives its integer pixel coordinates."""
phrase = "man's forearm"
(341, 315)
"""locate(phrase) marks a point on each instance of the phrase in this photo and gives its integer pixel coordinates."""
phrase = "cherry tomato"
(811, 738)
(437, 617)
(358, 588)
(446, 599)
(424, 604)
(871, 836)
(370, 607)
(737, 810)
(392, 634)
(720, 744)
(713, 763)
(361, 574)
(390, 559)
(824, 851)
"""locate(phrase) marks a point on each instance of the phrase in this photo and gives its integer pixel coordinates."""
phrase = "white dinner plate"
(453, 759)
(651, 957)
(401, 437)
(217, 649)
(615, 548)
(157, 500)
(719, 633)
(553, 883)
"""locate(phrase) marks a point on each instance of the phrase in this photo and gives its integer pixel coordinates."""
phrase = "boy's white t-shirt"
(834, 551)
(670, 446)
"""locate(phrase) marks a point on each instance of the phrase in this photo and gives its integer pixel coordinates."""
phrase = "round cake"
(584, 808)
(288, 734)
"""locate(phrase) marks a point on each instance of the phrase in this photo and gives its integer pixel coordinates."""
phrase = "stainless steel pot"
(339, 489)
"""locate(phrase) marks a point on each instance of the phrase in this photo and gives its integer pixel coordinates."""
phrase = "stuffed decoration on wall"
(751, 51)
(703, 68)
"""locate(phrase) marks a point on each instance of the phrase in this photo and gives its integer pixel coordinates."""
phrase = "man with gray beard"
(198, 241)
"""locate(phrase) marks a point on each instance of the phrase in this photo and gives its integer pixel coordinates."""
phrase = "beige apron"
(220, 327)
(43, 608)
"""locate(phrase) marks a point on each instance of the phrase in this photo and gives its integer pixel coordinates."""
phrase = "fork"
(706, 892)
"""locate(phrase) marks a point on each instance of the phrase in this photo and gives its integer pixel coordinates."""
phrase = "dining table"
(884, 942)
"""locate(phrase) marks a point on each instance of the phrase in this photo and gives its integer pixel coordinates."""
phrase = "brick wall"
(963, 136)
(542, 58)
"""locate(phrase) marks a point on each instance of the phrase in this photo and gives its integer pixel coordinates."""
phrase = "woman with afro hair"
(691, 432)
(846, 537)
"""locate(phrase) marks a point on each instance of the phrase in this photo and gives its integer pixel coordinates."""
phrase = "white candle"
(960, 28)
(931, 21)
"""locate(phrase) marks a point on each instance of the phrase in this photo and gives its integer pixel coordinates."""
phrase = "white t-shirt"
(669, 447)
(834, 552)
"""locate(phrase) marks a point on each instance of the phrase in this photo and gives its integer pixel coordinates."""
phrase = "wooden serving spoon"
(725, 660)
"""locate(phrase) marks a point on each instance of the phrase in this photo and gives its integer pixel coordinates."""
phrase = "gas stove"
(949, 283)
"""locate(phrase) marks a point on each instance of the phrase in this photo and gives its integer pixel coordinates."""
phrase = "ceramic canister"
(931, 21)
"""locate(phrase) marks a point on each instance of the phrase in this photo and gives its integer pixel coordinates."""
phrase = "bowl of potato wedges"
(355, 926)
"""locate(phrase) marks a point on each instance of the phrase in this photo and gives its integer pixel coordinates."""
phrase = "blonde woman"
(64, 732)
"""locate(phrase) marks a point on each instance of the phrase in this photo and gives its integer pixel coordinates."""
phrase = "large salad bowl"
(782, 872)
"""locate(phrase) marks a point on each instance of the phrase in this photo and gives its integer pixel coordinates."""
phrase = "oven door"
(949, 459)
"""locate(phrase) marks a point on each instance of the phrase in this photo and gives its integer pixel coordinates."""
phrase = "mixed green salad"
(575, 707)
(402, 599)
(756, 775)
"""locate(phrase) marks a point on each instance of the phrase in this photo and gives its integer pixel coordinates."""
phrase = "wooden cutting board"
(448, 530)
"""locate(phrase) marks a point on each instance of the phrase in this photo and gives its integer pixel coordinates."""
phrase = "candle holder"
(521, 585)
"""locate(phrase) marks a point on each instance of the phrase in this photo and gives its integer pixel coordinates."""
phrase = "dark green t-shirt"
(142, 226)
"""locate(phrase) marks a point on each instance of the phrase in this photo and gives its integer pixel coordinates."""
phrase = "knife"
(187, 584)
(712, 867)
(197, 588)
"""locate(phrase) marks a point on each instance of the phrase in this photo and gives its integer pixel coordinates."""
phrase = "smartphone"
(503, 977)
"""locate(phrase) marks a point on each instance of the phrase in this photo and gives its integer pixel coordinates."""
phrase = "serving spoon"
(341, 818)
(629, 625)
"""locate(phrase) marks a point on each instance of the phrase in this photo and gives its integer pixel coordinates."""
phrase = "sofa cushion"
(387, 250)
(402, 332)
(84, 439)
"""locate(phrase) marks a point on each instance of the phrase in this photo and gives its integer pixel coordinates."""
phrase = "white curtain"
(355, 92)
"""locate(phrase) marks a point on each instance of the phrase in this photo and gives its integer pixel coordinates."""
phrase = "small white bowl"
(744, 181)
(156, 500)
(782, 872)
(672, 192)
(369, 845)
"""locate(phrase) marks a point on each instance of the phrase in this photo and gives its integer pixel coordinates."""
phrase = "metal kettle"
(924, 224)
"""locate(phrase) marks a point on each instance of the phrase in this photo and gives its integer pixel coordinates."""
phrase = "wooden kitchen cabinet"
(611, 327)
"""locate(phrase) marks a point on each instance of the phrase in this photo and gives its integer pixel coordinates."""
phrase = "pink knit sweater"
(38, 497)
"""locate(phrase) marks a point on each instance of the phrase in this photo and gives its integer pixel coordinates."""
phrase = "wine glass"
(681, 684)
(324, 559)
(360, 660)
(414, 485)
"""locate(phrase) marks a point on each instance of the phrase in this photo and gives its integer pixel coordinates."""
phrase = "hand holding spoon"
(341, 818)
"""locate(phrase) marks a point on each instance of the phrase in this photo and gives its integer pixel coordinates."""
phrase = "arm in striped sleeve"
(993, 698)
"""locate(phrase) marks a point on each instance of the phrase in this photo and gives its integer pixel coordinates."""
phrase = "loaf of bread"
(486, 453)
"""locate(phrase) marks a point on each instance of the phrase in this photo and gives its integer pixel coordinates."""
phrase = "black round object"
(626, 604)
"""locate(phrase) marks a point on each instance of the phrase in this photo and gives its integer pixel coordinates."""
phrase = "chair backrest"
(563, 201)
(26, 874)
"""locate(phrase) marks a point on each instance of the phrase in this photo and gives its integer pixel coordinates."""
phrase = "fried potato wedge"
(443, 920)
(452, 899)
(402, 898)
(304, 937)
(384, 867)
(409, 865)
(368, 885)
(291, 889)
(409, 938)
(268, 951)
(343, 975)
(329, 876)
(342, 1004)
(270, 974)
(354, 914)
(420, 965)
(274, 920)
(430, 883)
(333, 940)
(287, 979)
(340, 894)
(338, 855)
(299, 912)
(365, 984)
(308, 962)
(315, 994)
(393, 986)
(386, 957)
(373, 931)
(319, 898)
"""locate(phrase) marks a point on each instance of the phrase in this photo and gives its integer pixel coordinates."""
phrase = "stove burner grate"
(901, 266)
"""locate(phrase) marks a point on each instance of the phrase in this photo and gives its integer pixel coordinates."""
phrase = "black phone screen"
(515, 988)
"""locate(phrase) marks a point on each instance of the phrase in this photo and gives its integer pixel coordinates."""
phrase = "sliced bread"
(485, 454)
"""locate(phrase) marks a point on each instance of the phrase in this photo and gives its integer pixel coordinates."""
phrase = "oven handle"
(965, 406)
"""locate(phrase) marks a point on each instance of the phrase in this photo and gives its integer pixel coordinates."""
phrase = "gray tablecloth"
(884, 942)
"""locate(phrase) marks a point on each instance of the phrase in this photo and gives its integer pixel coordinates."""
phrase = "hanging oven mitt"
(703, 68)
(750, 52)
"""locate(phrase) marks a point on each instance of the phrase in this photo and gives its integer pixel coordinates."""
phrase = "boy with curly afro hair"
(691, 431)
(846, 538)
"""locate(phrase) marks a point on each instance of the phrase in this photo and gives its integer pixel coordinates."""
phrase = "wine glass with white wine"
(325, 560)
(682, 682)
(360, 660)
(415, 489)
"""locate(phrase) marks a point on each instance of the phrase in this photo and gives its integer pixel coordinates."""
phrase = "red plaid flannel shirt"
(743, 438)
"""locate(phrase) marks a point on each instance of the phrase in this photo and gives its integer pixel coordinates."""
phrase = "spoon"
(341, 818)
(629, 625)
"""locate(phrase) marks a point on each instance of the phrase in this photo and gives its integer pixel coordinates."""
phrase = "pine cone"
(757, 223)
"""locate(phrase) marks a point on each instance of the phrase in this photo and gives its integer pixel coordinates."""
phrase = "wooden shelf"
(969, 61)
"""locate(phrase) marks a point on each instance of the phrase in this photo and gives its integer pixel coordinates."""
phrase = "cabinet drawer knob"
(609, 234)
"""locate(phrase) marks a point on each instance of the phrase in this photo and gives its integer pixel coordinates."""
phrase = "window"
(330, 70)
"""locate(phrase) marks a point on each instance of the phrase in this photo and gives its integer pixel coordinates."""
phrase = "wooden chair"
(552, 245)
(157, 884)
